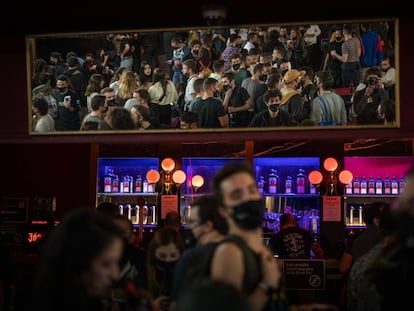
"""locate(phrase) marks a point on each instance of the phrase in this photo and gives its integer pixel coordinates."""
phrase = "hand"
(369, 90)
(270, 268)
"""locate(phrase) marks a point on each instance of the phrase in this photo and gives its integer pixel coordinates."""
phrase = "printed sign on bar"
(304, 274)
(13, 210)
(331, 208)
(169, 202)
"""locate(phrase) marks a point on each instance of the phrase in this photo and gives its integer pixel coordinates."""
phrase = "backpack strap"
(327, 115)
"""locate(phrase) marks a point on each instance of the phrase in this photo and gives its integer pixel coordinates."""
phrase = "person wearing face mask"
(240, 203)
(164, 250)
(68, 105)
(239, 72)
(237, 101)
(273, 116)
(333, 64)
(205, 228)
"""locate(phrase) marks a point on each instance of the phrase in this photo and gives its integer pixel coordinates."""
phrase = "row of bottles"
(379, 186)
(134, 212)
(308, 220)
(289, 186)
(127, 184)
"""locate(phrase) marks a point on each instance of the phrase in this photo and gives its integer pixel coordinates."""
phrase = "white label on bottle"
(272, 185)
(300, 185)
(107, 184)
(394, 188)
(348, 188)
(363, 188)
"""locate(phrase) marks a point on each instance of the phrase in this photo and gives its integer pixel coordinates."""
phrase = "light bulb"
(197, 181)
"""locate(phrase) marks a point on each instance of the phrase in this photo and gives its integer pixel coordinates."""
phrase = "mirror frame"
(31, 55)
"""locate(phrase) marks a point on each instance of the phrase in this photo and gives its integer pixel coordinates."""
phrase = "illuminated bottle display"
(108, 181)
(351, 214)
(356, 186)
(371, 185)
(387, 185)
(402, 184)
(364, 186)
(348, 188)
(394, 185)
(300, 182)
(378, 185)
(260, 185)
(288, 184)
(138, 184)
(115, 184)
(273, 178)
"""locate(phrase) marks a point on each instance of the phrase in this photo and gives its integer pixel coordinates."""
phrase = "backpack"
(327, 119)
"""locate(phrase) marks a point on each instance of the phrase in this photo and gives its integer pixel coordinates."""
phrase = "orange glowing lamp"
(330, 164)
(179, 177)
(168, 164)
(197, 181)
(315, 177)
(345, 177)
(153, 176)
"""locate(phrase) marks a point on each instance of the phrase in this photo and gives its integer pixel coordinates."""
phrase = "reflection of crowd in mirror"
(246, 63)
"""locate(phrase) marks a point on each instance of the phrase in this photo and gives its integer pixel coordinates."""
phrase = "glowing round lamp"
(345, 177)
(330, 164)
(168, 164)
(153, 176)
(179, 177)
(197, 181)
(315, 177)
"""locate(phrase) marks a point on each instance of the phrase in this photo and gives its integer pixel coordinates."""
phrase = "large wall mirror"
(326, 74)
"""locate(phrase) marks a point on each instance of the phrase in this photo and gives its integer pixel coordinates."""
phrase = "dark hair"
(41, 104)
(97, 101)
(287, 219)
(272, 94)
(208, 211)
(67, 253)
(108, 208)
(373, 210)
(190, 117)
(225, 172)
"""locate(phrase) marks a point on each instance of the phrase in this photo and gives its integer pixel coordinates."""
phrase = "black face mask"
(338, 39)
(274, 107)
(236, 66)
(189, 238)
(263, 78)
(164, 266)
(111, 102)
(226, 87)
(61, 89)
(249, 215)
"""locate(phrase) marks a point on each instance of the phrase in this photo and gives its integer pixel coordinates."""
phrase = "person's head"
(205, 218)
(40, 106)
(62, 83)
(373, 76)
(98, 103)
(109, 94)
(287, 220)
(164, 250)
(120, 118)
(325, 80)
(126, 226)
(240, 203)
(212, 295)
(189, 120)
(293, 77)
(83, 252)
(272, 99)
(189, 67)
(108, 208)
(173, 220)
(385, 64)
(372, 212)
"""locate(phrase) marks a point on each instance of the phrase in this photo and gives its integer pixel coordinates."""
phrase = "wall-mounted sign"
(14, 210)
(304, 274)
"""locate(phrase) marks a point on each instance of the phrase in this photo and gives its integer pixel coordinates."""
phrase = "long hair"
(66, 256)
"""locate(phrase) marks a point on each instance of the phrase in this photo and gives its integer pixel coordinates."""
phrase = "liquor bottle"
(314, 222)
(273, 178)
(402, 184)
(356, 186)
(371, 185)
(128, 208)
(260, 185)
(125, 184)
(394, 185)
(378, 185)
(348, 188)
(152, 215)
(136, 210)
(145, 186)
(364, 185)
(351, 214)
(288, 184)
(300, 182)
(138, 184)
(108, 181)
(115, 184)
(387, 185)
(360, 208)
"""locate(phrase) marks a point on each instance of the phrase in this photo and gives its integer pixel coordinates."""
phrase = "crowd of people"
(224, 77)
(94, 260)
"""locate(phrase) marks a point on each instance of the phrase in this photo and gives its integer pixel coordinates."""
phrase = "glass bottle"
(115, 184)
(108, 181)
(371, 185)
(378, 185)
(394, 185)
(387, 185)
(288, 184)
(351, 214)
(364, 185)
(348, 188)
(138, 184)
(356, 186)
(314, 222)
(360, 209)
(273, 179)
(260, 185)
(300, 182)
(402, 184)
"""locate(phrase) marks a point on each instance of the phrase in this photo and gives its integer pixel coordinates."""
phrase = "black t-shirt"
(292, 243)
(209, 110)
